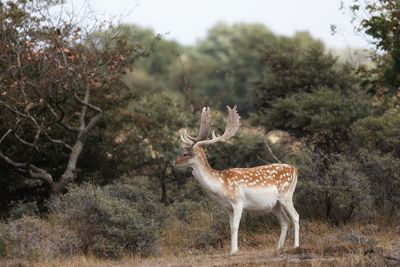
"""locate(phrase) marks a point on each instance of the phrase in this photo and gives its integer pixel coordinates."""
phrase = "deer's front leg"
(234, 217)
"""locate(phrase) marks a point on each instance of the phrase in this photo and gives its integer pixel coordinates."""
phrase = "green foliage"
(232, 53)
(295, 65)
(380, 21)
(111, 220)
(383, 171)
(247, 149)
(384, 27)
(378, 132)
(331, 186)
(146, 142)
(323, 115)
(160, 53)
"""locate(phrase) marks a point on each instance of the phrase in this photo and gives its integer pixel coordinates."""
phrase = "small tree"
(53, 79)
(379, 20)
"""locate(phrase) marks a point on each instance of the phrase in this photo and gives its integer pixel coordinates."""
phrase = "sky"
(187, 21)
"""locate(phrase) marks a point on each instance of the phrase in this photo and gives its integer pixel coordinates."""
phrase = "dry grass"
(321, 245)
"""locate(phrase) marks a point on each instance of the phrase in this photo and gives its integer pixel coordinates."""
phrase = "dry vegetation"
(322, 245)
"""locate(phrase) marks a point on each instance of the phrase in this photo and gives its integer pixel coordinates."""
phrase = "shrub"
(33, 238)
(111, 220)
(196, 225)
(21, 208)
(322, 111)
(383, 172)
(331, 186)
(378, 133)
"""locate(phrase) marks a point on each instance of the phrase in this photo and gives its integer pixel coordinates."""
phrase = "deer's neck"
(206, 175)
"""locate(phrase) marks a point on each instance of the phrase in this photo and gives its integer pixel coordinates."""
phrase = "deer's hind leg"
(283, 219)
(288, 207)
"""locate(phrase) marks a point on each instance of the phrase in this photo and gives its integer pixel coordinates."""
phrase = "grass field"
(322, 245)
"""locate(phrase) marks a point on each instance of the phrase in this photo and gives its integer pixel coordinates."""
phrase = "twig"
(86, 104)
(271, 152)
(58, 141)
(263, 160)
(4, 136)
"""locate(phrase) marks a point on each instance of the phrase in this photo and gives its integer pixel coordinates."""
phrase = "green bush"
(321, 111)
(383, 171)
(33, 238)
(111, 220)
(331, 186)
(378, 133)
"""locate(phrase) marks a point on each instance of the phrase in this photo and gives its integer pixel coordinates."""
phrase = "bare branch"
(14, 110)
(271, 152)
(11, 162)
(58, 141)
(94, 121)
(61, 118)
(30, 170)
(86, 104)
(30, 144)
(84, 107)
(5, 135)
(24, 115)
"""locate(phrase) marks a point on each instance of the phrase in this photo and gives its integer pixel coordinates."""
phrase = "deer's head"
(192, 151)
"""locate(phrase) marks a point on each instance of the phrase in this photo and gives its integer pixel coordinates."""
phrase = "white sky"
(188, 20)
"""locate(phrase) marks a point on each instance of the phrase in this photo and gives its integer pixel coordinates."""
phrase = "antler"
(232, 125)
(203, 130)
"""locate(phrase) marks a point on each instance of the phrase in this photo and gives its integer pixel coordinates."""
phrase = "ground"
(322, 245)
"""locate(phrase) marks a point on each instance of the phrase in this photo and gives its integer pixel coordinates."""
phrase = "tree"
(149, 144)
(323, 116)
(380, 21)
(234, 52)
(294, 65)
(53, 79)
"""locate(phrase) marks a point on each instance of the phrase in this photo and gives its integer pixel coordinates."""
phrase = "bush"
(33, 238)
(323, 111)
(20, 208)
(196, 225)
(378, 133)
(111, 220)
(331, 186)
(383, 171)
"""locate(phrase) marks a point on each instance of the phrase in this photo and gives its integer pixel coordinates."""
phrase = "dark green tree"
(234, 53)
(298, 64)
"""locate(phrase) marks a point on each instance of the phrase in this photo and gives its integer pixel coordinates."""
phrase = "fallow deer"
(267, 188)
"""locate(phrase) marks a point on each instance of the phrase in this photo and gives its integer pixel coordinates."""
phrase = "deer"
(267, 188)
